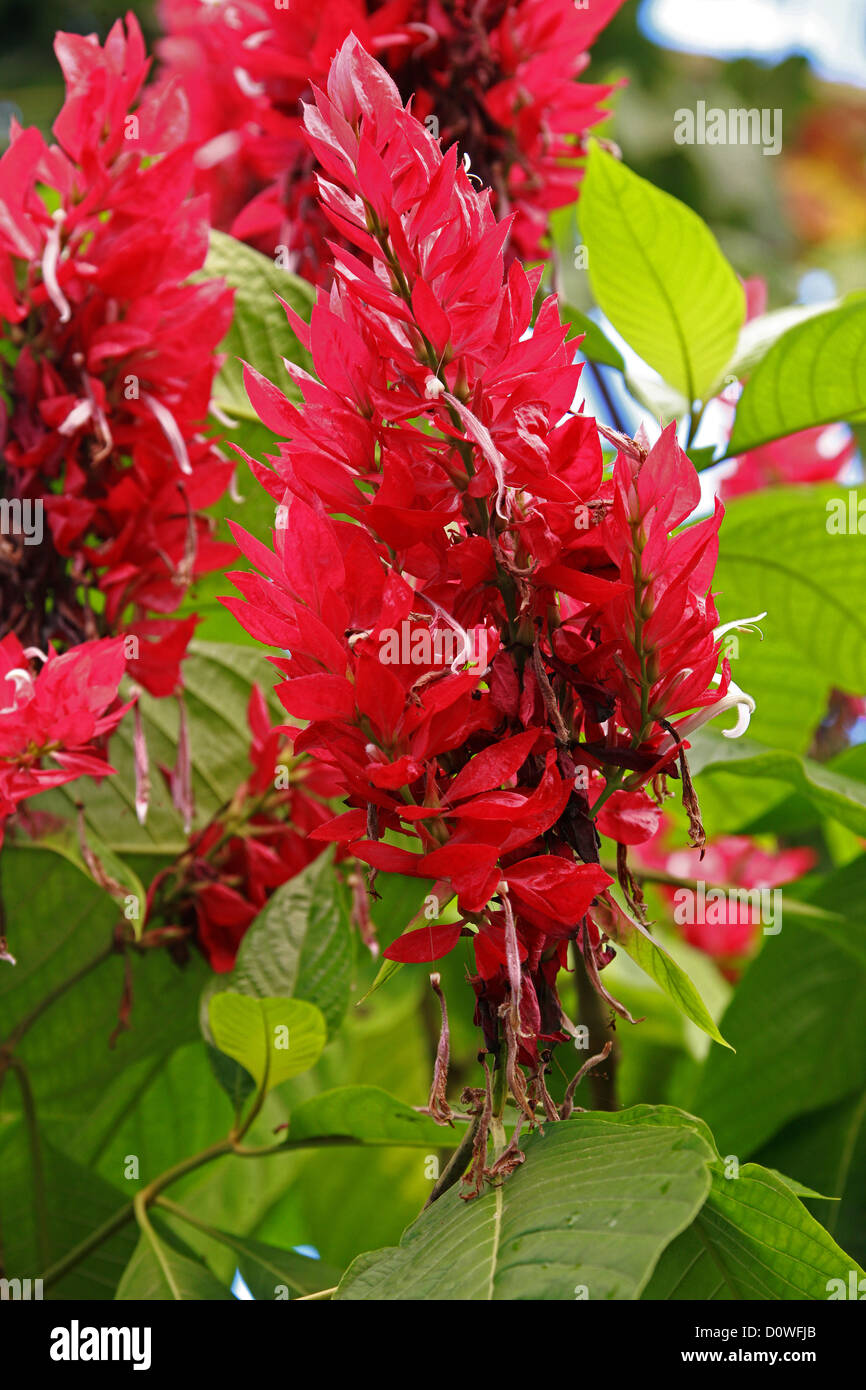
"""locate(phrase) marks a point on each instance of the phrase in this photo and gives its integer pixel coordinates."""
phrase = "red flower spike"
(59, 716)
(111, 363)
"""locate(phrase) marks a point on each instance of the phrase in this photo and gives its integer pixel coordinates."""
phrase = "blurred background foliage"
(781, 217)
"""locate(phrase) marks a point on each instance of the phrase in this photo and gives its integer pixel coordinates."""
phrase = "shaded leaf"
(368, 1115)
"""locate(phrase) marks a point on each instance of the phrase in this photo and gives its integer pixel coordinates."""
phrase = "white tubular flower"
(433, 387)
(735, 698)
(170, 429)
(50, 262)
(740, 625)
(23, 686)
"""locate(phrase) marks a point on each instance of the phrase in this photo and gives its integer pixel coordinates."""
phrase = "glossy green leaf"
(758, 335)
(830, 793)
(814, 374)
(777, 557)
(586, 1216)
(659, 276)
(752, 1239)
(668, 974)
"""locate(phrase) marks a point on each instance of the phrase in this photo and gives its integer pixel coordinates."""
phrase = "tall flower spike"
(399, 499)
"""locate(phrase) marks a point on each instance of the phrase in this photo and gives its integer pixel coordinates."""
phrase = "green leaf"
(800, 1189)
(260, 332)
(383, 974)
(752, 1239)
(797, 1022)
(158, 1272)
(76, 1202)
(587, 1215)
(758, 336)
(59, 922)
(300, 945)
(776, 556)
(814, 374)
(660, 965)
(830, 793)
(273, 1039)
(659, 276)
(827, 1148)
(267, 1270)
(595, 347)
(117, 878)
(367, 1115)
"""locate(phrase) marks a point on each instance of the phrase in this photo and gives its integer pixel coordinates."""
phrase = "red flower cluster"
(58, 716)
(811, 456)
(498, 77)
(479, 623)
(109, 364)
(258, 842)
(725, 927)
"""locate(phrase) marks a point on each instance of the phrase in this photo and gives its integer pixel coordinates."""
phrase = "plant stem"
(92, 1242)
(26, 1023)
(590, 1013)
(500, 1091)
(180, 1170)
(695, 418)
(612, 785)
(31, 1124)
(604, 391)
(456, 1164)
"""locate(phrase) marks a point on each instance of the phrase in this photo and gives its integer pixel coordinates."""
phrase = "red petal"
(427, 943)
(493, 766)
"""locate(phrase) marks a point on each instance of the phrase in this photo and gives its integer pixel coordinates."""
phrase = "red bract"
(111, 363)
(499, 78)
(669, 658)
(456, 583)
(52, 724)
